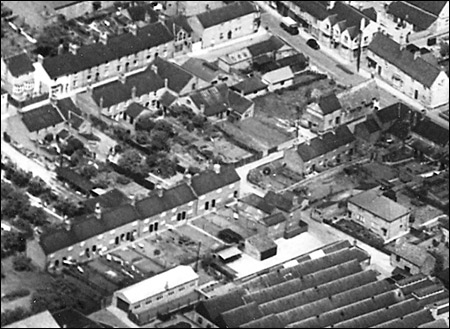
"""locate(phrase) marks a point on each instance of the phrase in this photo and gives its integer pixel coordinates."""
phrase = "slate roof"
(328, 142)
(370, 125)
(371, 13)
(117, 47)
(211, 308)
(116, 92)
(177, 77)
(297, 62)
(134, 110)
(392, 113)
(418, 69)
(171, 198)
(167, 99)
(138, 13)
(317, 9)
(412, 320)
(361, 94)
(257, 202)
(208, 180)
(40, 320)
(349, 14)
(72, 318)
(201, 69)
(85, 227)
(274, 219)
(261, 242)
(431, 131)
(19, 65)
(266, 47)
(279, 201)
(175, 23)
(41, 118)
(249, 86)
(72, 177)
(434, 7)
(412, 14)
(227, 13)
(379, 205)
(107, 200)
(329, 104)
(66, 105)
(412, 253)
(444, 222)
(238, 103)
(214, 98)
(239, 315)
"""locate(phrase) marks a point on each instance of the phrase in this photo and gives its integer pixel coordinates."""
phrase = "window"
(206, 205)
(118, 68)
(200, 320)
(156, 226)
(416, 94)
(235, 194)
(181, 289)
(213, 203)
(150, 228)
(183, 215)
(159, 297)
(94, 248)
(128, 236)
(221, 36)
(148, 302)
(178, 216)
(171, 293)
(397, 258)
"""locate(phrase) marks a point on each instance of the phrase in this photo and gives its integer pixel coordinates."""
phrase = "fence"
(21, 104)
(141, 180)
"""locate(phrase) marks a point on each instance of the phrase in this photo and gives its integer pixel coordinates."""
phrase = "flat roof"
(159, 283)
(229, 253)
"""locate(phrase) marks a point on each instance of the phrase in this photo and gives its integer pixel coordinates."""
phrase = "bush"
(123, 180)
(21, 178)
(10, 316)
(22, 263)
(36, 187)
(16, 294)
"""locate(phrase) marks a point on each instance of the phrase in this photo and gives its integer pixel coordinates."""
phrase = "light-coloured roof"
(159, 283)
(283, 74)
(229, 253)
(379, 205)
(40, 320)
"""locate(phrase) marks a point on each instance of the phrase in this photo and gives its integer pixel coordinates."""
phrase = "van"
(289, 25)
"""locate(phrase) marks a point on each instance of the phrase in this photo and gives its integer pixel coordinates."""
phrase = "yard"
(274, 176)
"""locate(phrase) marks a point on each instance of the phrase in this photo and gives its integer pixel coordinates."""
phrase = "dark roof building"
(257, 202)
(329, 104)
(415, 67)
(41, 118)
(227, 13)
(431, 131)
(202, 69)
(274, 219)
(211, 180)
(67, 107)
(143, 13)
(117, 47)
(19, 65)
(268, 46)
(392, 113)
(420, 14)
(177, 77)
(249, 86)
(176, 23)
(134, 110)
(328, 142)
(73, 178)
(110, 199)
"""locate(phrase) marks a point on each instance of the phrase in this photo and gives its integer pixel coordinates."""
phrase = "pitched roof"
(329, 104)
(134, 110)
(274, 219)
(418, 69)
(278, 75)
(392, 113)
(296, 62)
(444, 222)
(19, 65)
(434, 7)
(208, 180)
(200, 68)
(267, 46)
(176, 22)
(379, 205)
(412, 253)
(177, 77)
(74, 178)
(415, 320)
(370, 125)
(328, 142)
(66, 105)
(117, 47)
(431, 131)
(171, 198)
(317, 9)
(257, 202)
(157, 284)
(211, 308)
(227, 13)
(361, 94)
(371, 13)
(213, 98)
(40, 320)
(87, 226)
(238, 103)
(239, 315)
(107, 200)
(279, 201)
(72, 318)
(139, 13)
(412, 14)
(41, 118)
(249, 85)
(116, 92)
(167, 99)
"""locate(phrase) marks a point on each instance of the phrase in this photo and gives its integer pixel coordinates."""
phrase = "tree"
(145, 123)
(36, 186)
(34, 215)
(6, 190)
(199, 121)
(167, 167)
(73, 145)
(88, 171)
(444, 49)
(160, 141)
(132, 161)
(51, 38)
(163, 125)
(152, 159)
(12, 242)
(22, 263)
(142, 137)
(68, 208)
(15, 204)
(21, 178)
(49, 138)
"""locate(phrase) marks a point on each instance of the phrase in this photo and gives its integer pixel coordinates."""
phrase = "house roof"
(72, 318)
(208, 180)
(349, 14)
(177, 77)
(412, 253)
(296, 62)
(279, 201)
(227, 13)
(249, 85)
(72, 177)
(261, 242)
(359, 95)
(201, 69)
(371, 13)
(19, 65)
(229, 253)
(116, 92)
(40, 320)
(41, 118)
(379, 205)
(176, 23)
(87, 226)
(431, 131)
(257, 202)
(139, 13)
(66, 105)
(211, 308)
(117, 47)
(443, 222)
(265, 47)
(274, 219)
(328, 142)
(110, 199)
(412, 14)
(239, 315)
(317, 9)
(238, 103)
(171, 198)
(214, 98)
(418, 69)
(157, 284)
(392, 113)
(438, 323)
(370, 125)
(269, 321)
(134, 110)
(167, 99)
(434, 7)
(329, 104)
(278, 75)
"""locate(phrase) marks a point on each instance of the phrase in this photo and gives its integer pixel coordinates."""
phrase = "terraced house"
(89, 236)
(110, 57)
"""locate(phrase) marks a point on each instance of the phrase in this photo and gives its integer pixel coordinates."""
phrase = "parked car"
(313, 44)
(289, 25)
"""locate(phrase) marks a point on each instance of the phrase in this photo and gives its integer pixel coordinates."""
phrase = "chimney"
(73, 48)
(216, 168)
(60, 49)
(159, 190)
(98, 211)
(188, 179)
(133, 92)
(40, 59)
(103, 38)
(295, 201)
(122, 78)
(331, 5)
(101, 102)
(363, 24)
(67, 224)
(133, 29)
(89, 90)
(154, 68)
(133, 200)
(376, 104)
(166, 83)
(417, 55)
(147, 17)
(202, 108)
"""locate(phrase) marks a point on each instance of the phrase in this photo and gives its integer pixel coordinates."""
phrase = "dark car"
(313, 44)
(293, 30)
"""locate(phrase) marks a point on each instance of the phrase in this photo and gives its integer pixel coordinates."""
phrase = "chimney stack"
(216, 168)
(202, 108)
(133, 92)
(166, 83)
(40, 59)
(101, 102)
(103, 38)
(331, 5)
(67, 224)
(133, 29)
(188, 179)
(73, 48)
(122, 78)
(98, 211)
(154, 68)
(363, 24)
(417, 55)
(159, 191)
